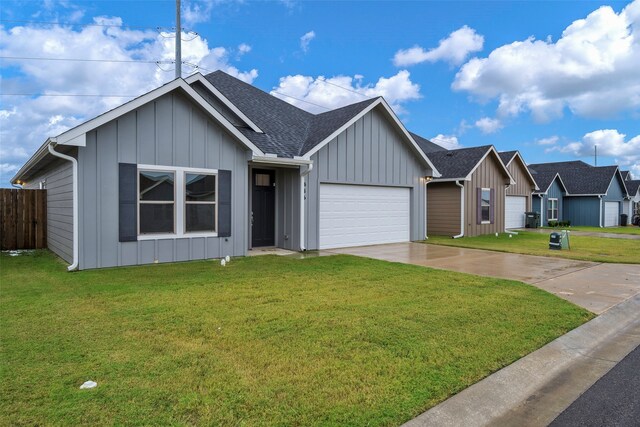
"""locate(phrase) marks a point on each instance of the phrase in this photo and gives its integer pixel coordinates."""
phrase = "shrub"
(553, 223)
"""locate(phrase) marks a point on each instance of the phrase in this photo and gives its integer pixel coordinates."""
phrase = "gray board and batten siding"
(369, 152)
(170, 131)
(58, 181)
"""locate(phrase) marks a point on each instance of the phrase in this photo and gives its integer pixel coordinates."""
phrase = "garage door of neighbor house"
(359, 215)
(515, 207)
(611, 214)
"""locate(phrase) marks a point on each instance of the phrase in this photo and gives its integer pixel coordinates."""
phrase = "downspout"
(74, 167)
(541, 211)
(461, 210)
(303, 174)
(600, 219)
(505, 212)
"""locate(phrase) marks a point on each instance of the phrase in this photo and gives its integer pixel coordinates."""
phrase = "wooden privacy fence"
(23, 220)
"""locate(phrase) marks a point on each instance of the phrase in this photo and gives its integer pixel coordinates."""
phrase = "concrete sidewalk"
(534, 390)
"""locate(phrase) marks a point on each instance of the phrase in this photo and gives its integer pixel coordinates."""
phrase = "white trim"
(491, 202)
(504, 168)
(461, 211)
(197, 77)
(303, 194)
(379, 101)
(179, 202)
(74, 167)
(284, 161)
(557, 209)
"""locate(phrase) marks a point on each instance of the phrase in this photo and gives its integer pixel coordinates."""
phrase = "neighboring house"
(626, 175)
(594, 194)
(518, 196)
(206, 167)
(632, 204)
(548, 199)
(468, 198)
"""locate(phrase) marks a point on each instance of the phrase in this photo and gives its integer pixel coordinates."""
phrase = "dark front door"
(263, 204)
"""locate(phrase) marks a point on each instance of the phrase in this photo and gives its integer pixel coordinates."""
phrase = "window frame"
(179, 200)
(488, 220)
(186, 202)
(557, 210)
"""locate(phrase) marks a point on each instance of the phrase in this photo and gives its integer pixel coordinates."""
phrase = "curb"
(534, 390)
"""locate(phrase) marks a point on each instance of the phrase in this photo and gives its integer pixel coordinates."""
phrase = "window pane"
(156, 186)
(263, 180)
(156, 218)
(200, 217)
(486, 197)
(201, 188)
(485, 213)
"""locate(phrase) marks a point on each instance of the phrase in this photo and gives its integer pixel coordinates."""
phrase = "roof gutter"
(74, 166)
(37, 156)
(461, 211)
(303, 197)
(282, 161)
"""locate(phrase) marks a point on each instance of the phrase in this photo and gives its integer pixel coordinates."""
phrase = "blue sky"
(551, 79)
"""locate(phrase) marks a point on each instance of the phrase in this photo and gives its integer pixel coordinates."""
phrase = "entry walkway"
(594, 286)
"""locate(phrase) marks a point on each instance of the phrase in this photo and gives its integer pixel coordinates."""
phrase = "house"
(632, 204)
(468, 198)
(518, 199)
(594, 194)
(210, 166)
(548, 199)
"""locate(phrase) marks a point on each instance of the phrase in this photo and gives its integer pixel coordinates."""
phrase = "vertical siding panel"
(127, 145)
(181, 131)
(107, 161)
(342, 160)
(367, 143)
(164, 131)
(146, 134)
(198, 139)
(359, 152)
(90, 209)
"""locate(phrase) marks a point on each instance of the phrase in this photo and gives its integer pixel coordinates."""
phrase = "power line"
(323, 80)
(16, 21)
(32, 58)
(68, 94)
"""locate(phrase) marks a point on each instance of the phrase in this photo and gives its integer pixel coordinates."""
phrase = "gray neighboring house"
(210, 166)
(593, 195)
(631, 204)
(548, 199)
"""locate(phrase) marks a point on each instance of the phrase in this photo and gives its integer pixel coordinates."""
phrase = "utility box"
(532, 220)
(564, 240)
(554, 241)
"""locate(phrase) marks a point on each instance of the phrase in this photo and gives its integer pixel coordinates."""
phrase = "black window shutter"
(479, 206)
(224, 203)
(128, 195)
(492, 205)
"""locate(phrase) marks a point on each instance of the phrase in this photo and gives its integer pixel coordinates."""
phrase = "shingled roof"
(579, 178)
(625, 175)
(288, 130)
(457, 164)
(425, 145)
(507, 156)
(632, 186)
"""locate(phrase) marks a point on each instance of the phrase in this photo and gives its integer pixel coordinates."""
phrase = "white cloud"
(454, 49)
(610, 143)
(552, 140)
(339, 91)
(450, 142)
(195, 12)
(488, 125)
(306, 39)
(244, 48)
(592, 69)
(25, 122)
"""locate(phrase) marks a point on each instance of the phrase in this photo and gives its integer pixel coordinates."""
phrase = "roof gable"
(461, 163)
(508, 157)
(579, 178)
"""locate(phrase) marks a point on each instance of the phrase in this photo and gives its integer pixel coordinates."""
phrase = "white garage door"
(611, 214)
(515, 207)
(359, 215)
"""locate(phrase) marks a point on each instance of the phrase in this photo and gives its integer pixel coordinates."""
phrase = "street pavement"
(614, 400)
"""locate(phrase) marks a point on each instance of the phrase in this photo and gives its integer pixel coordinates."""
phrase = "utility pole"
(595, 155)
(178, 42)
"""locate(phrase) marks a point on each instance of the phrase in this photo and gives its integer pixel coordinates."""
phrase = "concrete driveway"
(594, 286)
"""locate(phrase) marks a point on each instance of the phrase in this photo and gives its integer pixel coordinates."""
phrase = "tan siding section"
(489, 174)
(443, 209)
(523, 185)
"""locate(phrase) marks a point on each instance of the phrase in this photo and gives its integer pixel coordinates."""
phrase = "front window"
(552, 209)
(156, 202)
(486, 205)
(200, 202)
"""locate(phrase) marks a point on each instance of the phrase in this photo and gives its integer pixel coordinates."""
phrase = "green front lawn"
(266, 340)
(631, 229)
(586, 248)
